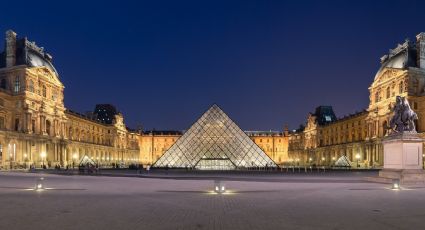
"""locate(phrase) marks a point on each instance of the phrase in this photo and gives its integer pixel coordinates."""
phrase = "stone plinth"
(403, 158)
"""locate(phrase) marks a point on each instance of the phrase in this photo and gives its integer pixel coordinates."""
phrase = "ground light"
(39, 184)
(219, 187)
(396, 184)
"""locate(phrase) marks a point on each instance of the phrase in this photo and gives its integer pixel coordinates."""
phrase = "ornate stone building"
(153, 144)
(35, 126)
(359, 136)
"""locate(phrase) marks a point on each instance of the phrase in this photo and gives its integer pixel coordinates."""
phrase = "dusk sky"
(265, 63)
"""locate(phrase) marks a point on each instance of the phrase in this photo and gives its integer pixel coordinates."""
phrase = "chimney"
(10, 48)
(285, 131)
(420, 43)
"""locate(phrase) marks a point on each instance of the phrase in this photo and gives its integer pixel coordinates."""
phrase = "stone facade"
(153, 144)
(359, 136)
(36, 128)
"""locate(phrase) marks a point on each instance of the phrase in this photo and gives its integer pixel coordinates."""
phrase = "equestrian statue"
(404, 117)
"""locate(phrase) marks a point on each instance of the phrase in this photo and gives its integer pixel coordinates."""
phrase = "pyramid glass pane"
(214, 142)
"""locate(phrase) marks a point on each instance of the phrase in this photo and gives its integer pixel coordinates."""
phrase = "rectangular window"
(17, 85)
(2, 123)
(33, 126)
(16, 124)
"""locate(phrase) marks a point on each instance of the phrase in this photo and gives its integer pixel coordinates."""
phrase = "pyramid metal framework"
(214, 142)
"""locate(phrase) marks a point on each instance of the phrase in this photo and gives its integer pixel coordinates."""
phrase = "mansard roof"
(324, 115)
(402, 57)
(28, 53)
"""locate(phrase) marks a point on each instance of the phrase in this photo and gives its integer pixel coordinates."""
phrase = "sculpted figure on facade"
(404, 117)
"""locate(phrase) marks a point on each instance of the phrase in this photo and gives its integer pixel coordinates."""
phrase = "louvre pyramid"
(214, 142)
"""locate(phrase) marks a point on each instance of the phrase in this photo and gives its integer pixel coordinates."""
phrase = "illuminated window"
(377, 97)
(31, 86)
(17, 87)
(328, 118)
(44, 91)
(54, 95)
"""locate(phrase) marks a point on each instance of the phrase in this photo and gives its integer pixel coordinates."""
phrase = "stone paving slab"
(85, 202)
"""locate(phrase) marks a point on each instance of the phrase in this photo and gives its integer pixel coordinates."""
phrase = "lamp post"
(323, 160)
(74, 157)
(43, 156)
(11, 160)
(358, 158)
(25, 160)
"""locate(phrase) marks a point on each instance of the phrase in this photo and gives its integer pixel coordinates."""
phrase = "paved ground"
(182, 201)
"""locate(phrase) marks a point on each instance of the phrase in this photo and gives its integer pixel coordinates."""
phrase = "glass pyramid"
(214, 142)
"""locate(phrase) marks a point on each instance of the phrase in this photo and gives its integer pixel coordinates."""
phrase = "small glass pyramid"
(214, 142)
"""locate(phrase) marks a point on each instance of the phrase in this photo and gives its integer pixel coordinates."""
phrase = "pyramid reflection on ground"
(214, 142)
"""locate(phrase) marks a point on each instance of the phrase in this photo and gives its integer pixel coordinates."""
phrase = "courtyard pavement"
(186, 201)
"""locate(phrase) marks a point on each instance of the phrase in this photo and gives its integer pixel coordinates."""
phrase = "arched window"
(44, 93)
(3, 83)
(376, 96)
(388, 92)
(31, 86)
(48, 127)
(400, 87)
(17, 87)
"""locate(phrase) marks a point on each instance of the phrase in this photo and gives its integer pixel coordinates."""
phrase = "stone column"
(43, 125)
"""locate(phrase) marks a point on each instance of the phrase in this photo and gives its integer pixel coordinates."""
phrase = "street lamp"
(25, 160)
(43, 156)
(74, 157)
(358, 158)
(11, 160)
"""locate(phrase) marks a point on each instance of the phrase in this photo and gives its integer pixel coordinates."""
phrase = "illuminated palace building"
(36, 128)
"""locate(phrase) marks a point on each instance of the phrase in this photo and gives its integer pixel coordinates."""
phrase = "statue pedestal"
(403, 158)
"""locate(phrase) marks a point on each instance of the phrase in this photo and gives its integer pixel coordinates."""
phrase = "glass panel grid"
(214, 142)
